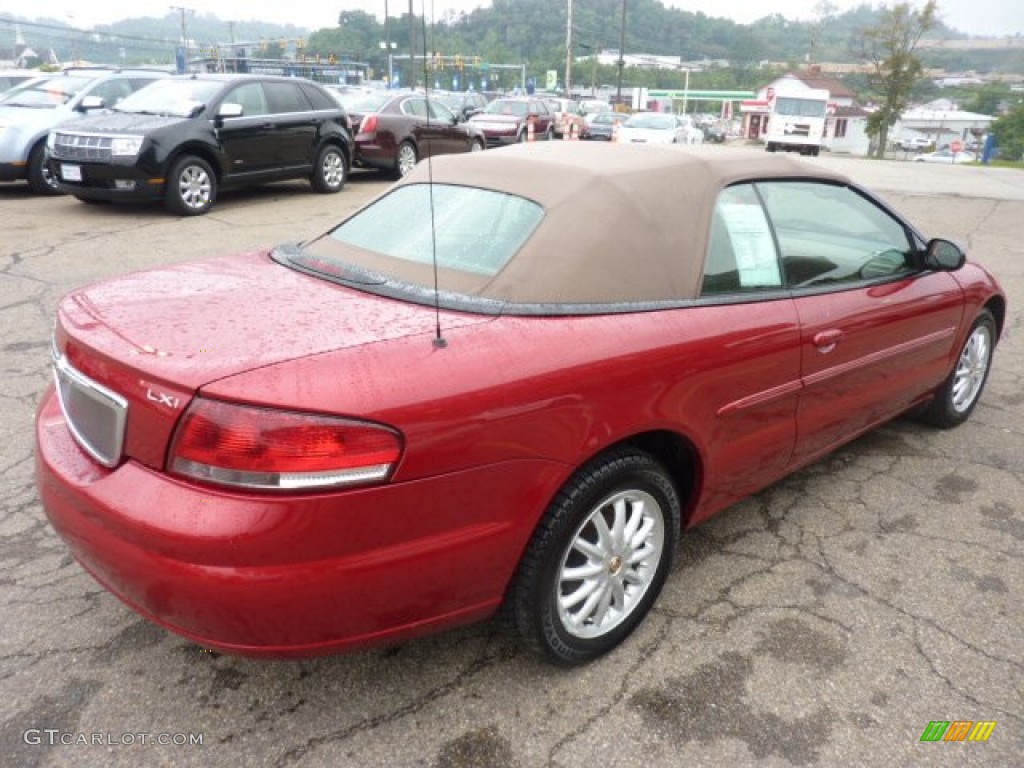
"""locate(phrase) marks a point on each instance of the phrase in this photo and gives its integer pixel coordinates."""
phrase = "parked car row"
(108, 135)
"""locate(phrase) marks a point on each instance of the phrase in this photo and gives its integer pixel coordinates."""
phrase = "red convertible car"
(469, 396)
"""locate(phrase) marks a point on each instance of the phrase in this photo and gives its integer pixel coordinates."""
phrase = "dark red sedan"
(508, 120)
(395, 130)
(421, 416)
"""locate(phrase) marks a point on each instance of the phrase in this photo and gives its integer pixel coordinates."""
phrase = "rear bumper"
(292, 576)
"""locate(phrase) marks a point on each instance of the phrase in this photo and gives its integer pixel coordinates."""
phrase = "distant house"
(20, 56)
(845, 126)
(941, 123)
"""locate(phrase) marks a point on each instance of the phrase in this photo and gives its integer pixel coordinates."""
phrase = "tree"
(1009, 131)
(889, 47)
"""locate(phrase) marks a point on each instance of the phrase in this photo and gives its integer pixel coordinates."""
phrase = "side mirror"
(943, 255)
(91, 102)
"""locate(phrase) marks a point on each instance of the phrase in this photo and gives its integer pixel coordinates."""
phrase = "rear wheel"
(40, 180)
(191, 187)
(476, 146)
(330, 170)
(955, 399)
(406, 159)
(598, 558)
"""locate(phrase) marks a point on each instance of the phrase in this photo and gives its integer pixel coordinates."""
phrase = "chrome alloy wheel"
(333, 169)
(971, 368)
(195, 187)
(406, 159)
(609, 564)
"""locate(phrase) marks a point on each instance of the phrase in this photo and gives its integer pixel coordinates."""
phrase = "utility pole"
(622, 62)
(387, 47)
(412, 48)
(568, 54)
(184, 31)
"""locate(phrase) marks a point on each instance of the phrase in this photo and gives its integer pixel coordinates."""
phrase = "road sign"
(955, 145)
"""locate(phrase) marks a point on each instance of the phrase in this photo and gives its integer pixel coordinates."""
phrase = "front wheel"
(40, 179)
(191, 187)
(960, 392)
(476, 146)
(330, 170)
(598, 558)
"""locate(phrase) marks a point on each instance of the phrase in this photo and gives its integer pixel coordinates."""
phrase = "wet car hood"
(125, 122)
(196, 323)
(32, 117)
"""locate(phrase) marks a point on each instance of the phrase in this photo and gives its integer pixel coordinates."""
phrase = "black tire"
(549, 135)
(956, 398)
(40, 180)
(191, 186)
(330, 170)
(477, 145)
(406, 158)
(626, 484)
(524, 135)
(770, 146)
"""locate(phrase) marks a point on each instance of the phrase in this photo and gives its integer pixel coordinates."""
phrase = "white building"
(940, 126)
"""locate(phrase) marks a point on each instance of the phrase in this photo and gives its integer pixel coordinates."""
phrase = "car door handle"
(826, 341)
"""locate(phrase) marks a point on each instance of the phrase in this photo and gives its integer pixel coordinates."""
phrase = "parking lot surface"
(826, 621)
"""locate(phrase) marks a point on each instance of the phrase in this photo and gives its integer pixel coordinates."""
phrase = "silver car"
(28, 112)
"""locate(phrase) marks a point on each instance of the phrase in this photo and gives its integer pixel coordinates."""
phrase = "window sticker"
(752, 245)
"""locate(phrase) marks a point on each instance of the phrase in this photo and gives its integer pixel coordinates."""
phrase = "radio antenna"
(439, 340)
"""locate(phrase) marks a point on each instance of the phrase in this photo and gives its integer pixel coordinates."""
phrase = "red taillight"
(368, 124)
(261, 448)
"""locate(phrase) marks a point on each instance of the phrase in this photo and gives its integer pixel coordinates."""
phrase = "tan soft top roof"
(622, 223)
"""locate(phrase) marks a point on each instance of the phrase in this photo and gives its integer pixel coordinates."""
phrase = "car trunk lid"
(155, 338)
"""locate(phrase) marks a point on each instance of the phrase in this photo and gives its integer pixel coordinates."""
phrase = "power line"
(76, 30)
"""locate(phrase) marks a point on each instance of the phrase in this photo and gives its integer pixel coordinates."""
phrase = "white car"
(655, 128)
(946, 156)
(914, 143)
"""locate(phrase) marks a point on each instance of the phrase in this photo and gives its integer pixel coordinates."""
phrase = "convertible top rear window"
(472, 230)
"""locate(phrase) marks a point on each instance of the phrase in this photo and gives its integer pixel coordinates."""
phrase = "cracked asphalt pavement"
(825, 621)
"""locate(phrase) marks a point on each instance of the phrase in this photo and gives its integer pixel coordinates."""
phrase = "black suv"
(182, 138)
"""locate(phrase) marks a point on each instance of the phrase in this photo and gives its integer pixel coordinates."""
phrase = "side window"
(415, 107)
(440, 113)
(286, 97)
(318, 98)
(741, 253)
(112, 91)
(251, 97)
(828, 233)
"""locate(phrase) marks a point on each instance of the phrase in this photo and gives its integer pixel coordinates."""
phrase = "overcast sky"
(978, 17)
